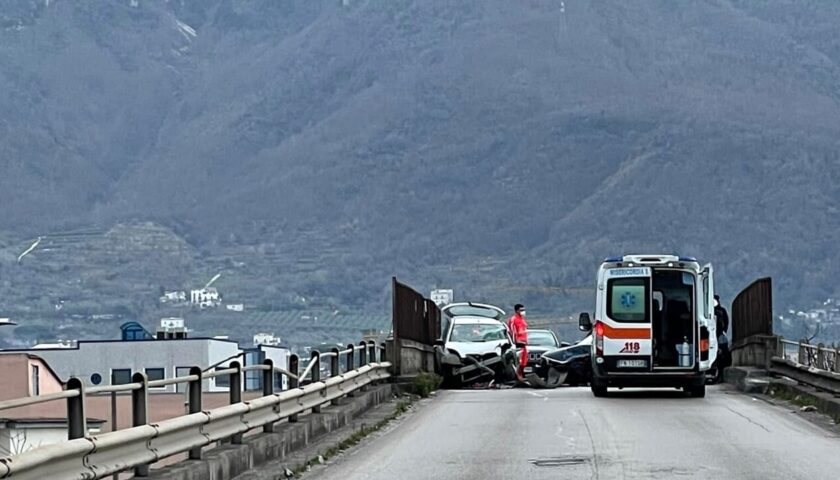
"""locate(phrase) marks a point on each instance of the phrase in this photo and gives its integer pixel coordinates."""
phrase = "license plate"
(632, 363)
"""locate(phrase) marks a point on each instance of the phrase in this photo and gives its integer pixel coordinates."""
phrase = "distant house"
(175, 297)
(235, 307)
(266, 339)
(205, 297)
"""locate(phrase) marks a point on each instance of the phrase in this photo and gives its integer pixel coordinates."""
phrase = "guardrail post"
(837, 359)
(371, 348)
(351, 357)
(364, 359)
(76, 419)
(821, 356)
(335, 367)
(351, 363)
(316, 374)
(268, 388)
(294, 369)
(235, 390)
(803, 353)
(195, 404)
(363, 354)
(140, 412)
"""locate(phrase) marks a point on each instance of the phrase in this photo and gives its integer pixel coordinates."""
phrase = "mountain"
(500, 148)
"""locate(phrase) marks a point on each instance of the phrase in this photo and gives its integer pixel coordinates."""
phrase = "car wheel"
(449, 380)
(599, 390)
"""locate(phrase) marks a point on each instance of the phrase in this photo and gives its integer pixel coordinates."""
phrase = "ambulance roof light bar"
(649, 259)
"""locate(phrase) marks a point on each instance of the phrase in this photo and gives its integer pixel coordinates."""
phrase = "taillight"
(599, 338)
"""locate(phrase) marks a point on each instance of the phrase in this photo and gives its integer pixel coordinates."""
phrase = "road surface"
(567, 433)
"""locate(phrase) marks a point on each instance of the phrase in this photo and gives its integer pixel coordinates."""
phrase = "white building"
(205, 297)
(442, 296)
(266, 339)
(174, 297)
(236, 307)
(105, 362)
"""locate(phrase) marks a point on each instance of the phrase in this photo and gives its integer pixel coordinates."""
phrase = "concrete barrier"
(227, 461)
(755, 351)
(414, 357)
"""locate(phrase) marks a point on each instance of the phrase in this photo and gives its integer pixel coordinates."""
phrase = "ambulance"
(654, 324)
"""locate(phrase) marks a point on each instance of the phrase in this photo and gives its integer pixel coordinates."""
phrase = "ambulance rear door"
(625, 319)
(706, 318)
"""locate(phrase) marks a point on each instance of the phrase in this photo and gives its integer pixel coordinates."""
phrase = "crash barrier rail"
(820, 356)
(752, 310)
(98, 456)
(814, 365)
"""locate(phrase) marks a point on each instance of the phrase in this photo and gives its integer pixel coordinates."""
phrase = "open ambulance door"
(707, 323)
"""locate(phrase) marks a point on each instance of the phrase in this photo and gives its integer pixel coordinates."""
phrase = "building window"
(155, 373)
(36, 380)
(223, 381)
(182, 372)
(120, 376)
(253, 378)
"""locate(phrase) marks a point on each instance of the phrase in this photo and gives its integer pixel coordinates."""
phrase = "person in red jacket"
(519, 331)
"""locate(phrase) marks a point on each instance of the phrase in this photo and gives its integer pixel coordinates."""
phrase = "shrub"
(426, 383)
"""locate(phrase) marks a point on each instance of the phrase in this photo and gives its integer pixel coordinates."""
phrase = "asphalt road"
(567, 433)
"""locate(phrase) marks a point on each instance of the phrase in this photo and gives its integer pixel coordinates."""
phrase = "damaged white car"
(476, 346)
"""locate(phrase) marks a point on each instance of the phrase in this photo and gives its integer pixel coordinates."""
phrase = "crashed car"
(476, 346)
(539, 342)
(569, 365)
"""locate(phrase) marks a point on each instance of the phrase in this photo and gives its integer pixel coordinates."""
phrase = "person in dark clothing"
(724, 356)
(721, 317)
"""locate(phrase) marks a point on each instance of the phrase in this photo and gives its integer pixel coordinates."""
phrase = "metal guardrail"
(94, 457)
(814, 365)
(820, 379)
(820, 356)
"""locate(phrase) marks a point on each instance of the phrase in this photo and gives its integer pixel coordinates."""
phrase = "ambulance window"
(705, 302)
(627, 299)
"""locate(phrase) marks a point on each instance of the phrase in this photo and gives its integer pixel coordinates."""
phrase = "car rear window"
(541, 339)
(472, 311)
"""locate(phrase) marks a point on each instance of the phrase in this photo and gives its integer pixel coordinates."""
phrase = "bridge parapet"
(98, 456)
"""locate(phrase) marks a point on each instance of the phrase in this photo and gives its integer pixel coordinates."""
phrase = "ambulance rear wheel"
(697, 391)
(599, 390)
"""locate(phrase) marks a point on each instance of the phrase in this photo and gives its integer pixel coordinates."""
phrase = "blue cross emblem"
(628, 300)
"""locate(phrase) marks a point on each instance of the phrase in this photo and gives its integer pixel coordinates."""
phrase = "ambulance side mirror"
(585, 323)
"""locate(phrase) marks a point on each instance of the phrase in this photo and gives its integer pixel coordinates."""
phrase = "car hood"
(476, 348)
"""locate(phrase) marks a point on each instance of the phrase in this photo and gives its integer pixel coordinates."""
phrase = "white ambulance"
(654, 324)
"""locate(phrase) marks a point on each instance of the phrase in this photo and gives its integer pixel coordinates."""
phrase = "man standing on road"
(724, 358)
(519, 331)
